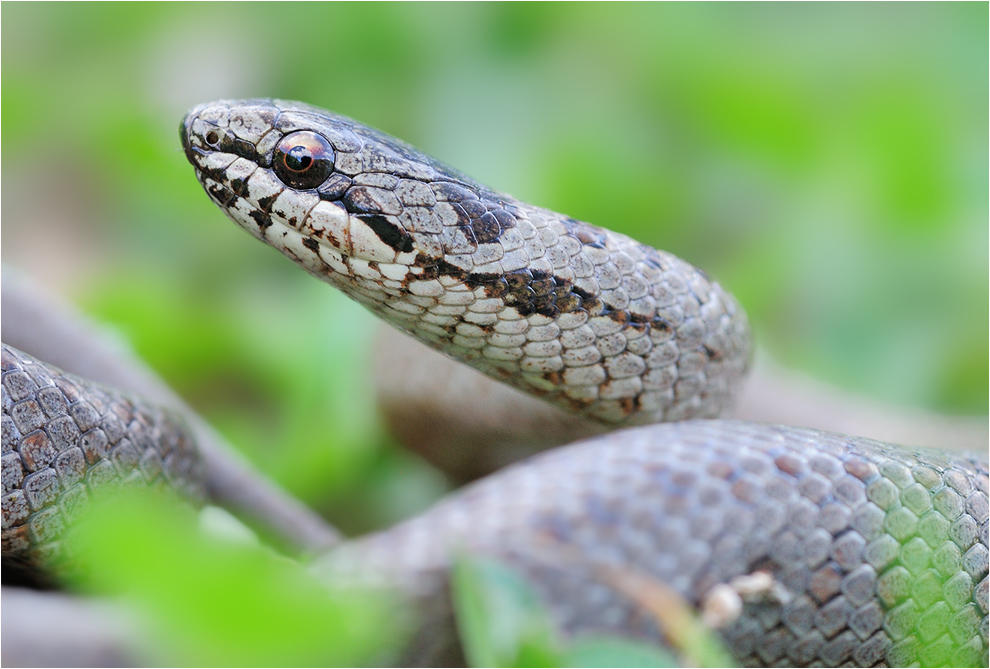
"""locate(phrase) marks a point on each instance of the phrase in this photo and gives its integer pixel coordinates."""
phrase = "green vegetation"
(827, 163)
(217, 598)
(503, 624)
(205, 599)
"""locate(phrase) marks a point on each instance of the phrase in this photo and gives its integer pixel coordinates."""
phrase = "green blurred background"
(828, 163)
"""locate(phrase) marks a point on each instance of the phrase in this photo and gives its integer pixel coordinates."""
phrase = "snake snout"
(184, 138)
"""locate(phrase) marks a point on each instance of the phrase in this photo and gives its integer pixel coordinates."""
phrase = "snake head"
(582, 316)
(330, 193)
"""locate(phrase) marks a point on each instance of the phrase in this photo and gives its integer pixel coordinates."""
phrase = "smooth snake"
(877, 554)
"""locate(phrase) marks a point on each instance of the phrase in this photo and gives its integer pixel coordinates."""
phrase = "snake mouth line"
(587, 318)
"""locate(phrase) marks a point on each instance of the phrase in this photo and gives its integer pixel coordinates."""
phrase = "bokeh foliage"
(216, 598)
(828, 163)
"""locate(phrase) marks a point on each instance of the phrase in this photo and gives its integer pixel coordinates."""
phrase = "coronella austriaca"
(876, 554)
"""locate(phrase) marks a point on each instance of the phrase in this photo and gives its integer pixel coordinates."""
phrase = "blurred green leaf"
(616, 653)
(816, 159)
(501, 622)
(825, 162)
(217, 603)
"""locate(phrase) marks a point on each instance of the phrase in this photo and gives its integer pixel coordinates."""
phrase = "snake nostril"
(212, 137)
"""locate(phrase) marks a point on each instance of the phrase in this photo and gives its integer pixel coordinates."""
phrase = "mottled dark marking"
(519, 278)
(452, 192)
(486, 229)
(661, 324)
(218, 174)
(587, 234)
(468, 235)
(713, 354)
(429, 272)
(594, 305)
(266, 202)
(569, 302)
(476, 279)
(580, 292)
(497, 288)
(463, 220)
(334, 187)
(220, 194)
(358, 201)
(505, 218)
(543, 286)
(539, 275)
(263, 220)
(389, 233)
(248, 151)
(311, 244)
(332, 238)
(629, 405)
(474, 208)
(444, 268)
(546, 305)
(621, 316)
(530, 292)
(521, 297)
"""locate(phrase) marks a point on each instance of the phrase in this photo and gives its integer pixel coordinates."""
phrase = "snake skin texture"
(64, 437)
(584, 317)
(878, 555)
(865, 554)
(869, 554)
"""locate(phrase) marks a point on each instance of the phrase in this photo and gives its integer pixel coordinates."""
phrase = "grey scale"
(582, 316)
(878, 554)
(64, 440)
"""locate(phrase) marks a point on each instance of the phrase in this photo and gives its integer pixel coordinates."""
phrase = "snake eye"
(303, 159)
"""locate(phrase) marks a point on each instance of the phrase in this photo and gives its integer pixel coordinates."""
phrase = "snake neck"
(586, 318)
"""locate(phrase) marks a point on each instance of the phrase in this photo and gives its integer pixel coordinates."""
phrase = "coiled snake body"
(871, 554)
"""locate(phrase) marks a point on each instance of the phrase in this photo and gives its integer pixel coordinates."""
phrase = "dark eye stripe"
(388, 233)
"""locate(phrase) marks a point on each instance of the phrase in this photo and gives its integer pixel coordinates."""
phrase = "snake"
(862, 553)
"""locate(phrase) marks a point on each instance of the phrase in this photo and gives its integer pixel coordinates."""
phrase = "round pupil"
(303, 159)
(298, 158)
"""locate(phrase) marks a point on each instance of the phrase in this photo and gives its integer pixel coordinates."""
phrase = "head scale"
(332, 194)
(485, 278)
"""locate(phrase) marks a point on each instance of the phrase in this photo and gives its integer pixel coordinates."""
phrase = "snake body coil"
(586, 318)
(872, 554)
(875, 554)
(867, 554)
(65, 438)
